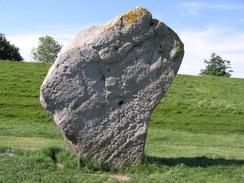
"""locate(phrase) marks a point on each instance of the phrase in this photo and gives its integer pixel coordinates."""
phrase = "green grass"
(196, 134)
(19, 92)
(202, 104)
(170, 157)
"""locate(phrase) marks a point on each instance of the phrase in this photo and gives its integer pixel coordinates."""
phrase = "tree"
(216, 66)
(8, 51)
(47, 50)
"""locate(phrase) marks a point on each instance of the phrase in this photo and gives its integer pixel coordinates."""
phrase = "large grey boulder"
(106, 82)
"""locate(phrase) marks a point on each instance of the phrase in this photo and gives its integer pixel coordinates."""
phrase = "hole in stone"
(155, 35)
(160, 46)
(65, 68)
(116, 48)
(151, 23)
(102, 78)
(121, 102)
(75, 106)
(137, 45)
(108, 70)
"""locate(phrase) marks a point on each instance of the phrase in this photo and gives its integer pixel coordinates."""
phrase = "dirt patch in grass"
(114, 176)
(59, 165)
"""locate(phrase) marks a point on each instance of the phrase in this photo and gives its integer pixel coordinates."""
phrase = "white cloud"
(4, 15)
(193, 8)
(229, 6)
(199, 45)
(25, 43)
(241, 20)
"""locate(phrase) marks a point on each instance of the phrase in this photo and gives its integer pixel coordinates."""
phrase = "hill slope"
(19, 91)
(202, 104)
(33, 150)
(193, 103)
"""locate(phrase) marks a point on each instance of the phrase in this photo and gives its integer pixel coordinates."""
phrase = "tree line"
(48, 49)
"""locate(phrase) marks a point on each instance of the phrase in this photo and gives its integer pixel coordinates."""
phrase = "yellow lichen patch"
(108, 28)
(159, 23)
(129, 18)
(177, 51)
(132, 16)
(179, 47)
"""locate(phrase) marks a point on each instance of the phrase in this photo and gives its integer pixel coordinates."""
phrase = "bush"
(8, 51)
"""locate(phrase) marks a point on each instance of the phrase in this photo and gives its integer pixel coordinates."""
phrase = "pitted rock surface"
(106, 82)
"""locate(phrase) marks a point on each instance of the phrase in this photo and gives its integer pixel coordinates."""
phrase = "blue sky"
(205, 26)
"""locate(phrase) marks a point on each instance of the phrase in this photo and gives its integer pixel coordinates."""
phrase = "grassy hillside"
(202, 104)
(19, 92)
(196, 134)
(193, 103)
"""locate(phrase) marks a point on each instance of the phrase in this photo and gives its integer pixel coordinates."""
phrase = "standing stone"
(106, 82)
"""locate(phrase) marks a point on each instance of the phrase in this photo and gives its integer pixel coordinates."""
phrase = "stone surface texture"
(106, 82)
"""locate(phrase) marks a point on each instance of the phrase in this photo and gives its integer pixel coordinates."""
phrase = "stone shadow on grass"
(193, 161)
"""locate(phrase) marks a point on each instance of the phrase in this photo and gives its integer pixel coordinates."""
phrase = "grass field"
(196, 134)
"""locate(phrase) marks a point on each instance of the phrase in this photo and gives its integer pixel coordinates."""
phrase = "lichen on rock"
(132, 16)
